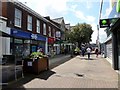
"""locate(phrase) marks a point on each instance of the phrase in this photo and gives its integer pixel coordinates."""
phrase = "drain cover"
(58, 75)
(79, 75)
(74, 75)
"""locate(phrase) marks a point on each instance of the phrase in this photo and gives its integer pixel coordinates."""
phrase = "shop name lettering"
(33, 36)
(15, 32)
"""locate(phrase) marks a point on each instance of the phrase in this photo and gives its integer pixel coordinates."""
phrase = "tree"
(81, 33)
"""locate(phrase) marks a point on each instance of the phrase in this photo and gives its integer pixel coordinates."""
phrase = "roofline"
(57, 18)
(23, 6)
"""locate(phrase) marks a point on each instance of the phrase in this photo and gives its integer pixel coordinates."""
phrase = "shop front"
(116, 44)
(118, 39)
(114, 27)
(23, 43)
(57, 44)
(16, 46)
(51, 47)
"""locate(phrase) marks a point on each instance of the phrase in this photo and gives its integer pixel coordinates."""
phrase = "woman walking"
(96, 52)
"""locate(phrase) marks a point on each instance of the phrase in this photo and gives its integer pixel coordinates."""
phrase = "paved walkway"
(78, 72)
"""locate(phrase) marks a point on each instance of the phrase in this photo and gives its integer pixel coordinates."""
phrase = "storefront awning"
(3, 34)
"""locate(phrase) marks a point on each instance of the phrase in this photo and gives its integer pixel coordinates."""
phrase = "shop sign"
(29, 63)
(34, 36)
(19, 33)
(104, 23)
(118, 6)
(41, 38)
(107, 22)
(51, 40)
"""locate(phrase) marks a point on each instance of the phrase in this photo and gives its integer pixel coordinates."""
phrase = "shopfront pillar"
(46, 46)
(115, 50)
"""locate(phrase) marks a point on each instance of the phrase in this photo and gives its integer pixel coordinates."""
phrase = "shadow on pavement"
(27, 78)
(53, 65)
(46, 74)
(18, 85)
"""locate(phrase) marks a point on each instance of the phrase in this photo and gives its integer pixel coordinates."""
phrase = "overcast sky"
(73, 11)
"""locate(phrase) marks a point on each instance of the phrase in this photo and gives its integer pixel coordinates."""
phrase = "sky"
(73, 12)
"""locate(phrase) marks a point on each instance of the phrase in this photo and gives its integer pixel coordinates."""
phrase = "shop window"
(49, 31)
(44, 29)
(54, 33)
(29, 23)
(26, 48)
(38, 26)
(26, 41)
(18, 17)
(118, 39)
(34, 48)
(18, 41)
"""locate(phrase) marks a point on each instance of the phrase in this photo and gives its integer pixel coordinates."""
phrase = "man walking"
(88, 52)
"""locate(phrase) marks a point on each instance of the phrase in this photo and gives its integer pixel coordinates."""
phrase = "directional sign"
(104, 23)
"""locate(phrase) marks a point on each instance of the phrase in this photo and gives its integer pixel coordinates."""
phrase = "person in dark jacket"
(96, 52)
(83, 51)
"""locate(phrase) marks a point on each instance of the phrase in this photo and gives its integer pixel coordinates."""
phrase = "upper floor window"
(49, 31)
(29, 23)
(38, 26)
(44, 29)
(18, 17)
(54, 33)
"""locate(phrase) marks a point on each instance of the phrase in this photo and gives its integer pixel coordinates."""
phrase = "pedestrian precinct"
(88, 52)
(97, 52)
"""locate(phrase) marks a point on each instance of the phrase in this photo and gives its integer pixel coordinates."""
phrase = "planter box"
(35, 66)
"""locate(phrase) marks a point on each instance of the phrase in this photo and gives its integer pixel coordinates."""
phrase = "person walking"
(88, 52)
(83, 51)
(97, 52)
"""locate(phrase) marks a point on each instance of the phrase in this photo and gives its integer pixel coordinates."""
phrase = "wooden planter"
(35, 66)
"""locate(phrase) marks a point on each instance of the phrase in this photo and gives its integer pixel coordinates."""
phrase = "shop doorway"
(33, 48)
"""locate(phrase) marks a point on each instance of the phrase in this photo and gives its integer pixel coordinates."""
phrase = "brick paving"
(78, 72)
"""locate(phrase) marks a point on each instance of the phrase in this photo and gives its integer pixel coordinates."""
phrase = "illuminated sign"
(104, 23)
(107, 22)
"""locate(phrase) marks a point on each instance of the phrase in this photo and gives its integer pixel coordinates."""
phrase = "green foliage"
(36, 55)
(81, 33)
(77, 49)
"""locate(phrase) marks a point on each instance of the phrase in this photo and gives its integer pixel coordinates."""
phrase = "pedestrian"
(88, 52)
(96, 52)
(65, 51)
(83, 51)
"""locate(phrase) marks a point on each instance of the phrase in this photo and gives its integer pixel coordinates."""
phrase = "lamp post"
(98, 43)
